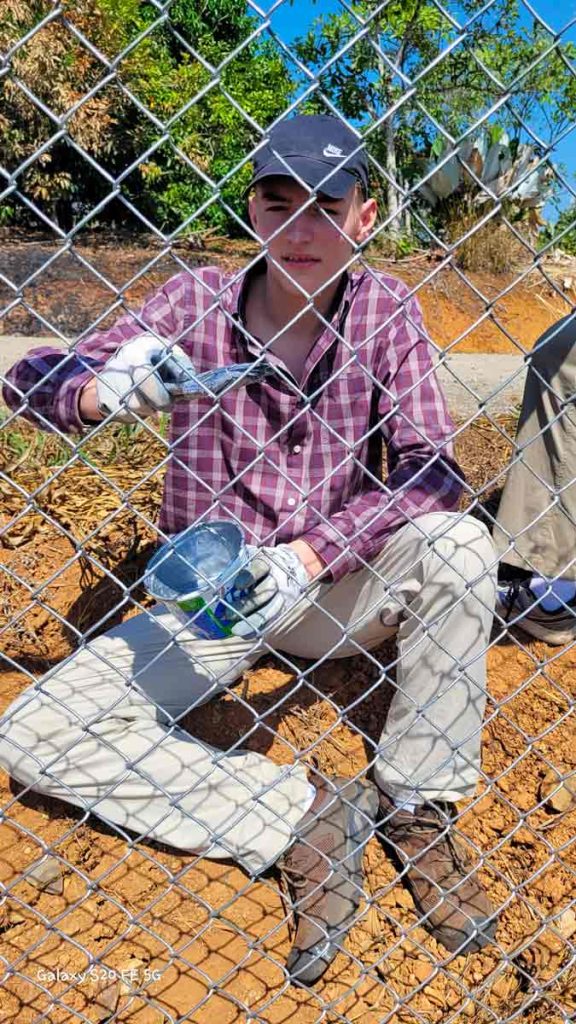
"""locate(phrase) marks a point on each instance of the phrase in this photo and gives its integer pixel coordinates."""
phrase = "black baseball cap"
(314, 148)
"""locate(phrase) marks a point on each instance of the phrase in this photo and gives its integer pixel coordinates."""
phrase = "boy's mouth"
(300, 261)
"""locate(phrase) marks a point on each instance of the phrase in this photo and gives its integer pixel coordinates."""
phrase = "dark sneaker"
(440, 875)
(323, 869)
(517, 605)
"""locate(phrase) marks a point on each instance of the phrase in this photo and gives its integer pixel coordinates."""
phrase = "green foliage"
(392, 248)
(24, 445)
(500, 54)
(172, 147)
(404, 246)
(563, 233)
(222, 20)
(171, 150)
(209, 136)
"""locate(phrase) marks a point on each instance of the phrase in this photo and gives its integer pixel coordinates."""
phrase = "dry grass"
(492, 248)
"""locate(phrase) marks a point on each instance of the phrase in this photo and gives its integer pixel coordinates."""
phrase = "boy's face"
(315, 247)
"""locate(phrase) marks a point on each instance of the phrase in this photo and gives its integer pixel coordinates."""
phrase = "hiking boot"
(440, 875)
(323, 870)
(518, 605)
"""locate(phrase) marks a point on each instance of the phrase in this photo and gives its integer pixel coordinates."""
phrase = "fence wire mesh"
(158, 858)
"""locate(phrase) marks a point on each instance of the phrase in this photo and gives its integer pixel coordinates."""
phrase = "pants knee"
(466, 548)
(554, 347)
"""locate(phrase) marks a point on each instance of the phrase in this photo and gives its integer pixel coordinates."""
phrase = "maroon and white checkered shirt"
(283, 460)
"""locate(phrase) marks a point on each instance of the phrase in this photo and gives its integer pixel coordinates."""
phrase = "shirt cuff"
(333, 549)
(67, 405)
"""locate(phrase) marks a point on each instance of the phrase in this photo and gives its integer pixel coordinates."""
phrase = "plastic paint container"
(193, 572)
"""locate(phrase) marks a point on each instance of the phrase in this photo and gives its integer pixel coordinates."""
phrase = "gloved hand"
(131, 384)
(269, 586)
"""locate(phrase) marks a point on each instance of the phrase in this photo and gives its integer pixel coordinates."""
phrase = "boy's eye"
(283, 208)
(327, 209)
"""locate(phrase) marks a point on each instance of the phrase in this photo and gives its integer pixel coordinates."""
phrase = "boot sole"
(362, 804)
(556, 638)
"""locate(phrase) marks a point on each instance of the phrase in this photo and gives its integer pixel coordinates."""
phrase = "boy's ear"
(367, 219)
(252, 209)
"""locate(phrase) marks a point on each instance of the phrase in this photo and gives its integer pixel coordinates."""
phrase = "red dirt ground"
(218, 940)
(72, 289)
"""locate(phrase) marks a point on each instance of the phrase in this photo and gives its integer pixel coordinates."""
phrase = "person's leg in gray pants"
(535, 529)
(101, 731)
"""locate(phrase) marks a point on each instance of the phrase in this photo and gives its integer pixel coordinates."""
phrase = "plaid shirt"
(283, 460)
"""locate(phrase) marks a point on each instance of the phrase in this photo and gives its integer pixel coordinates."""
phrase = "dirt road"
(467, 378)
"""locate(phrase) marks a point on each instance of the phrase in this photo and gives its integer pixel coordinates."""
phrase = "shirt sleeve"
(45, 386)
(423, 475)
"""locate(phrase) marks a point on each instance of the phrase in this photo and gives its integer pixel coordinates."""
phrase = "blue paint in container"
(193, 573)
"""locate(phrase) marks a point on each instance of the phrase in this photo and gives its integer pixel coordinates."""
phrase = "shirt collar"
(233, 297)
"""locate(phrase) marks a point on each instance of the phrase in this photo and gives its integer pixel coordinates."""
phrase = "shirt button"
(296, 449)
(291, 502)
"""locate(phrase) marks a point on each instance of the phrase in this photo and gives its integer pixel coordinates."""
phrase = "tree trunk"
(393, 229)
(392, 189)
(407, 217)
(385, 77)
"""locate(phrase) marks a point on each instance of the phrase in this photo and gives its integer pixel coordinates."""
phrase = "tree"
(365, 82)
(208, 101)
(407, 74)
(51, 70)
(162, 113)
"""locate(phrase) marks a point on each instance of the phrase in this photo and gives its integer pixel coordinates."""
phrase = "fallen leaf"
(46, 875)
(505, 986)
(132, 974)
(421, 970)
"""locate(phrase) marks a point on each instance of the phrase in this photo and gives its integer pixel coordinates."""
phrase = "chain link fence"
(118, 748)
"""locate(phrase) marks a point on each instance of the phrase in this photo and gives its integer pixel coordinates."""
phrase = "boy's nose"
(301, 229)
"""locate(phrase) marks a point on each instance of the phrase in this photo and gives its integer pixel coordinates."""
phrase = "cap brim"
(324, 177)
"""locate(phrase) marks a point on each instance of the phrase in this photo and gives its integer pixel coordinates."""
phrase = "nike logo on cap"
(332, 151)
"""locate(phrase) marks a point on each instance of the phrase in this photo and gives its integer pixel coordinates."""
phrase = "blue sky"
(293, 19)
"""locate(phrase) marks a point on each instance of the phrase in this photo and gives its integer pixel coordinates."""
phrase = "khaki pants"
(536, 522)
(100, 730)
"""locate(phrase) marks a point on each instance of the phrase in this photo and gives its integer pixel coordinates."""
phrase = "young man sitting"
(345, 560)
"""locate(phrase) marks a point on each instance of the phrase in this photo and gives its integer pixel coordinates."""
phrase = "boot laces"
(311, 869)
(430, 819)
(514, 590)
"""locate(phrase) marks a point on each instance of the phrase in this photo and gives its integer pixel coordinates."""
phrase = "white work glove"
(131, 385)
(267, 588)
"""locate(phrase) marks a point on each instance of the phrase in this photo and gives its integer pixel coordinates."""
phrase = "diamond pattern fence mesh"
(161, 857)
